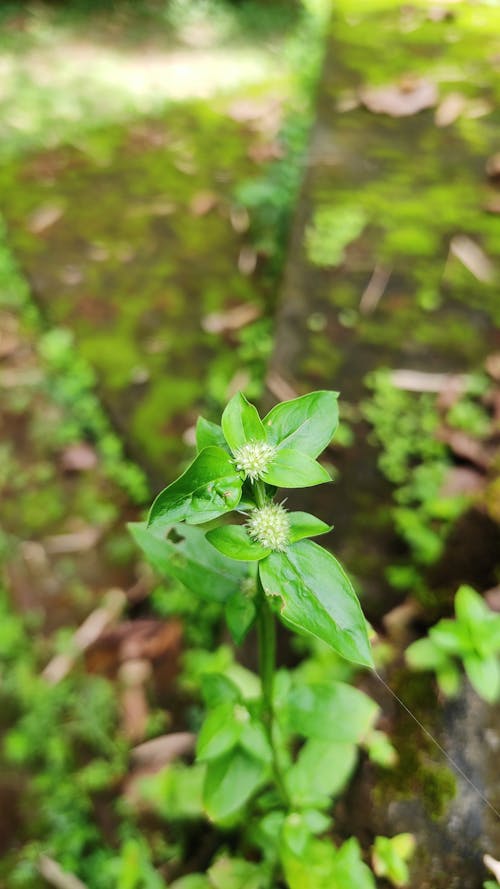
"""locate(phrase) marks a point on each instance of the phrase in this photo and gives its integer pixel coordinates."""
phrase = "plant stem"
(259, 490)
(266, 632)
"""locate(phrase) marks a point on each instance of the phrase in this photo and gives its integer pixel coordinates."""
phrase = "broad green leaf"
(230, 782)
(254, 741)
(207, 489)
(302, 524)
(306, 424)
(176, 791)
(389, 857)
(295, 833)
(192, 881)
(240, 614)
(235, 542)
(217, 689)
(450, 636)
(425, 654)
(236, 873)
(313, 869)
(470, 607)
(321, 771)
(241, 423)
(192, 560)
(317, 597)
(331, 711)
(292, 469)
(380, 749)
(208, 434)
(484, 675)
(350, 870)
(219, 733)
(449, 679)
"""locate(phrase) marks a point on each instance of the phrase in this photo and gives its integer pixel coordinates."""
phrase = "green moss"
(420, 772)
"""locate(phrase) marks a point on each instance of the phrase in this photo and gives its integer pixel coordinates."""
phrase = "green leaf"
(207, 489)
(309, 785)
(192, 881)
(484, 675)
(236, 873)
(230, 782)
(219, 733)
(470, 607)
(191, 560)
(176, 791)
(302, 524)
(313, 869)
(292, 469)
(425, 654)
(241, 423)
(240, 614)
(235, 542)
(295, 833)
(390, 855)
(350, 869)
(330, 711)
(449, 679)
(306, 424)
(380, 749)
(254, 741)
(317, 597)
(450, 636)
(208, 434)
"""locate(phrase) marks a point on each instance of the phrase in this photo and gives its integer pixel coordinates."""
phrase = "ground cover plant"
(272, 750)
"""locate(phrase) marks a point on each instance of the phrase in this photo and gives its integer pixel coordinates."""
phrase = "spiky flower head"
(270, 526)
(254, 458)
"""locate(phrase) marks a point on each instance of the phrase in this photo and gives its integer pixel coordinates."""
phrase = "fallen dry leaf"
(133, 675)
(71, 275)
(492, 365)
(449, 110)
(78, 457)
(423, 381)
(44, 218)
(461, 480)
(400, 99)
(493, 167)
(493, 865)
(239, 219)
(163, 750)
(75, 542)
(374, 290)
(247, 261)
(233, 319)
(397, 621)
(279, 387)
(53, 873)
(440, 14)
(85, 636)
(493, 598)
(465, 447)
(203, 202)
(473, 257)
(261, 152)
(492, 204)
(147, 639)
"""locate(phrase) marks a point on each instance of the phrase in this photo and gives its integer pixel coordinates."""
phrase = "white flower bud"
(254, 458)
(270, 526)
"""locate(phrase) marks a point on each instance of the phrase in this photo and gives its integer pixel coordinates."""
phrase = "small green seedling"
(473, 637)
(273, 750)
(390, 856)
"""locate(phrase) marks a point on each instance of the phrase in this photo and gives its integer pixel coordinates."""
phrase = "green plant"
(262, 739)
(473, 637)
(390, 856)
